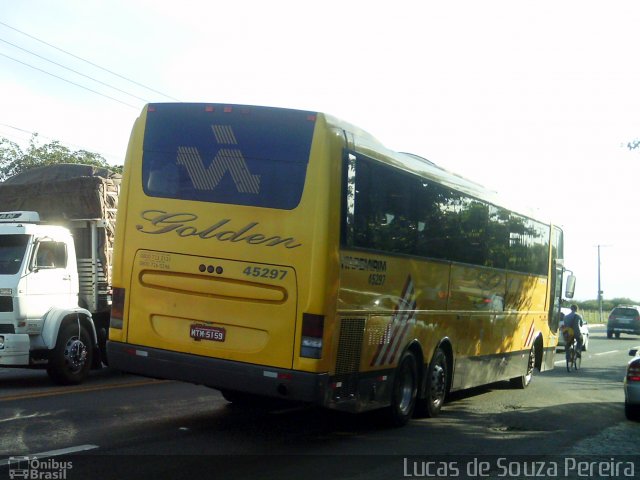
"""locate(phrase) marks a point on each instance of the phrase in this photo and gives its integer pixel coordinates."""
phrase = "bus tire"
(524, 381)
(437, 381)
(404, 392)
(71, 358)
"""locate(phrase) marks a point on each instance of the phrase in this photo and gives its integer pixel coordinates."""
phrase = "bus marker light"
(285, 376)
(136, 352)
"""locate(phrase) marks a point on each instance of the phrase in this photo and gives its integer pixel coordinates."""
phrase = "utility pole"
(599, 288)
(600, 284)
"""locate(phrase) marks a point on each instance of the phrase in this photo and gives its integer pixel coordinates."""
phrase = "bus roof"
(367, 144)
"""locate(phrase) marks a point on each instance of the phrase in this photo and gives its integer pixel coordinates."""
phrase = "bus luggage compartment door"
(213, 307)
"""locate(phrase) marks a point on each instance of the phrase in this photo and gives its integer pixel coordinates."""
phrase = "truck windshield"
(12, 249)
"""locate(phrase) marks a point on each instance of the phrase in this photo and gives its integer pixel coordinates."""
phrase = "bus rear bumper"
(218, 373)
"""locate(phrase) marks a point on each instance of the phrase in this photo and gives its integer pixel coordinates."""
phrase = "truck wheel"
(71, 358)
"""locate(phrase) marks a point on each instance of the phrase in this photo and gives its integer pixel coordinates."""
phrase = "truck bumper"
(221, 374)
(14, 349)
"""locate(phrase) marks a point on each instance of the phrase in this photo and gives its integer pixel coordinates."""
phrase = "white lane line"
(50, 453)
(607, 353)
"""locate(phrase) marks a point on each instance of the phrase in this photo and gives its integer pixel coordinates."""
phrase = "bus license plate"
(205, 332)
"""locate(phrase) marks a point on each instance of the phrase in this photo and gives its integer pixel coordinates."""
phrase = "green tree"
(14, 160)
(607, 305)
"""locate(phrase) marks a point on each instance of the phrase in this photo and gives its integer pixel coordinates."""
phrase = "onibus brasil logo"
(33, 468)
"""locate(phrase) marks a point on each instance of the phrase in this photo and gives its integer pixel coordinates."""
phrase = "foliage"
(14, 160)
(607, 305)
(633, 144)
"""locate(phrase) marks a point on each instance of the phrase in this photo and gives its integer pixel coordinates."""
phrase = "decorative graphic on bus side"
(404, 316)
(529, 336)
(227, 159)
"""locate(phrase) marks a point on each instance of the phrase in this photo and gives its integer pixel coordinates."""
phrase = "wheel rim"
(75, 354)
(438, 383)
(530, 366)
(406, 390)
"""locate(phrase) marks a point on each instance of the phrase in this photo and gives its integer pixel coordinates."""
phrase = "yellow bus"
(271, 252)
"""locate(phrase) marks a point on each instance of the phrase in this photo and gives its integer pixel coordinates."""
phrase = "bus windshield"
(250, 156)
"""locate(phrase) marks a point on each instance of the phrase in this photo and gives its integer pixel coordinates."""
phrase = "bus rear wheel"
(436, 387)
(405, 391)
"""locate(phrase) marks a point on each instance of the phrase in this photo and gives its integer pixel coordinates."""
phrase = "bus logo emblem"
(226, 160)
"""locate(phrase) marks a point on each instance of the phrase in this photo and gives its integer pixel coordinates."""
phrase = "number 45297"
(262, 272)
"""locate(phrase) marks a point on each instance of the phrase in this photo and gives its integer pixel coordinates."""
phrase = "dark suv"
(624, 319)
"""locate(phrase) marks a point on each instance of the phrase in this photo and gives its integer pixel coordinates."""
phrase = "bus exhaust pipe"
(283, 390)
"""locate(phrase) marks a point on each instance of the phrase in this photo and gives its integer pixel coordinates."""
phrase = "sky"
(534, 99)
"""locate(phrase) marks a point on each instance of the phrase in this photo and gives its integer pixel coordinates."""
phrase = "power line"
(74, 71)
(69, 81)
(90, 63)
(16, 128)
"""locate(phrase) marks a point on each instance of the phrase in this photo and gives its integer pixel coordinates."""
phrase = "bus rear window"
(255, 156)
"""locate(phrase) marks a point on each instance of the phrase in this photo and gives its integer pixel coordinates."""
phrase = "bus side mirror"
(571, 286)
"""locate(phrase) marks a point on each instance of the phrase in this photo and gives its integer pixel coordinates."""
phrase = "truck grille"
(7, 328)
(6, 304)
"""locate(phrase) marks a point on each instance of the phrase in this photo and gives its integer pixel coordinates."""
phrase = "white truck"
(56, 237)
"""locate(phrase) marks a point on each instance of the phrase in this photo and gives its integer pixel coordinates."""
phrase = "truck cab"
(41, 321)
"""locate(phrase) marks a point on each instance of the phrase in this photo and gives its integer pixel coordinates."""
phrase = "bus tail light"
(117, 308)
(312, 332)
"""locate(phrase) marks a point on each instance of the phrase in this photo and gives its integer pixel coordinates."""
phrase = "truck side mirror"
(570, 289)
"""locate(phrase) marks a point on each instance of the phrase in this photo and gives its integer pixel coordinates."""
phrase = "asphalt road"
(123, 426)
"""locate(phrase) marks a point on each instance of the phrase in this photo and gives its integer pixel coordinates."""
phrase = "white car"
(584, 329)
(632, 386)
